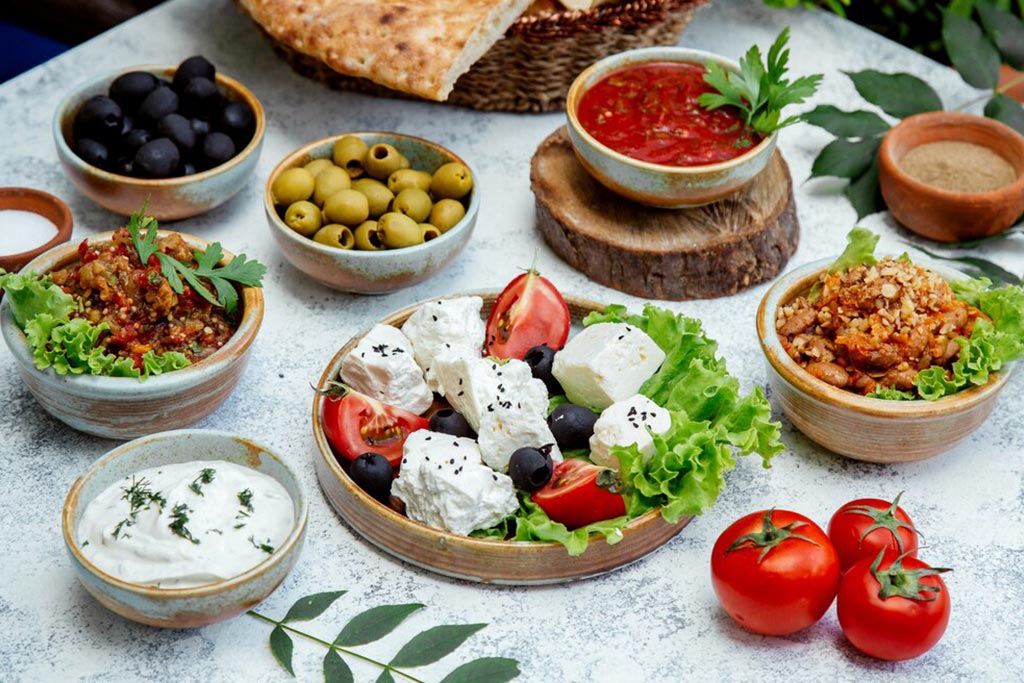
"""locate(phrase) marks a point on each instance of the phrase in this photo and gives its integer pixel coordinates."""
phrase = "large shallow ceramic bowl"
(43, 204)
(373, 272)
(124, 407)
(183, 607)
(871, 429)
(464, 557)
(657, 184)
(168, 198)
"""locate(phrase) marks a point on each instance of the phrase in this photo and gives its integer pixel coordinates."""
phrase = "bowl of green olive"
(371, 212)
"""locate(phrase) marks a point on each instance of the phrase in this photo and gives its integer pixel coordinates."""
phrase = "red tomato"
(893, 608)
(775, 572)
(573, 497)
(529, 312)
(864, 526)
(355, 424)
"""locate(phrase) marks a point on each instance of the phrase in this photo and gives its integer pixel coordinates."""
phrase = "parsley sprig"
(143, 230)
(759, 91)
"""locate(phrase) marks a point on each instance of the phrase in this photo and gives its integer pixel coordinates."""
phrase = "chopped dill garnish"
(205, 477)
(179, 517)
(265, 547)
(139, 497)
(245, 499)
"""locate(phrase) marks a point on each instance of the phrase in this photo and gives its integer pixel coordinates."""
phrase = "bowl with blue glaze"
(168, 198)
(373, 272)
(200, 605)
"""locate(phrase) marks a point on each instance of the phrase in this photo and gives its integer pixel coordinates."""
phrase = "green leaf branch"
(373, 624)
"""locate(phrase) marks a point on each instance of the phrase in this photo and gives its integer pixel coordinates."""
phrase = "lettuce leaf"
(890, 394)
(30, 295)
(860, 250)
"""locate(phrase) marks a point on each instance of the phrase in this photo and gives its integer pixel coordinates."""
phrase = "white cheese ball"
(446, 327)
(382, 367)
(626, 423)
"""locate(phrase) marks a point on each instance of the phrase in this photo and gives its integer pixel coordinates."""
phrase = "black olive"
(372, 472)
(100, 118)
(540, 359)
(157, 159)
(200, 126)
(124, 166)
(572, 426)
(237, 120)
(129, 89)
(92, 152)
(178, 130)
(128, 125)
(188, 169)
(129, 143)
(158, 104)
(200, 97)
(215, 150)
(447, 421)
(530, 468)
(193, 67)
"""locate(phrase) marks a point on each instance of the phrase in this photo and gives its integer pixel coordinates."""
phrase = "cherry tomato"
(575, 496)
(864, 526)
(529, 312)
(893, 608)
(355, 424)
(774, 571)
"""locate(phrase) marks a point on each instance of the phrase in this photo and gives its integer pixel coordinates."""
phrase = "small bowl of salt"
(31, 222)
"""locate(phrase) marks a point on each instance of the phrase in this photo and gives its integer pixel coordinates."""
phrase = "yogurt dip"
(186, 525)
(22, 231)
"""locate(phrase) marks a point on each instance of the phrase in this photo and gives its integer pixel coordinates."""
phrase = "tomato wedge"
(574, 498)
(355, 424)
(530, 311)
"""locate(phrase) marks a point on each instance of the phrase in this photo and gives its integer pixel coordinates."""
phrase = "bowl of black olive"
(185, 138)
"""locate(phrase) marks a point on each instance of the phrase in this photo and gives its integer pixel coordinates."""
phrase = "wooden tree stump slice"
(677, 254)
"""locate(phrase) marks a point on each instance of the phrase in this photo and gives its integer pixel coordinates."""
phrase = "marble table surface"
(656, 620)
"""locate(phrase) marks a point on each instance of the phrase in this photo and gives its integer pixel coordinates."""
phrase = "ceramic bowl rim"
(152, 592)
(64, 229)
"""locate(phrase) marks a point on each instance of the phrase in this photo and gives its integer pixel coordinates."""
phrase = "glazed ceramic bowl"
(169, 198)
(123, 407)
(47, 206)
(183, 607)
(943, 215)
(373, 272)
(862, 428)
(659, 185)
(465, 557)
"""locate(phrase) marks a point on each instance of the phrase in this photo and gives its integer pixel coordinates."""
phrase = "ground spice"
(958, 167)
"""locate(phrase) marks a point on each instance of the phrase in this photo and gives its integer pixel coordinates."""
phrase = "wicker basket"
(531, 68)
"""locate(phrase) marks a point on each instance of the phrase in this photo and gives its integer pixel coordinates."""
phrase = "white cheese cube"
(605, 363)
(508, 428)
(382, 367)
(444, 483)
(446, 327)
(472, 385)
(626, 423)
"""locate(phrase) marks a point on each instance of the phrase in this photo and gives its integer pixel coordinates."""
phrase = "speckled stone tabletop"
(656, 620)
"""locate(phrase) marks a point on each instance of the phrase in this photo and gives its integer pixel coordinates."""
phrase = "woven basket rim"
(631, 13)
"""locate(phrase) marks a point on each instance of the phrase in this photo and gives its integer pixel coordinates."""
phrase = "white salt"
(22, 231)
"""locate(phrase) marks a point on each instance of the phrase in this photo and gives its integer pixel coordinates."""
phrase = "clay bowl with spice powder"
(844, 420)
(951, 176)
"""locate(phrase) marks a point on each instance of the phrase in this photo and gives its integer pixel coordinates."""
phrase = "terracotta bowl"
(183, 607)
(373, 272)
(939, 214)
(169, 198)
(871, 429)
(670, 187)
(47, 206)
(123, 407)
(464, 557)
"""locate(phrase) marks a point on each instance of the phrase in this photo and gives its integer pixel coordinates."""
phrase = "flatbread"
(419, 47)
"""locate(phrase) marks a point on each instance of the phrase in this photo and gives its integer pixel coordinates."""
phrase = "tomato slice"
(574, 498)
(355, 424)
(530, 311)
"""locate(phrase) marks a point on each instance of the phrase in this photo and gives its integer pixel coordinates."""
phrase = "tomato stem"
(769, 536)
(884, 519)
(905, 583)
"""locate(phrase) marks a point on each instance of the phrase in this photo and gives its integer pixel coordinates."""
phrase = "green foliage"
(837, 6)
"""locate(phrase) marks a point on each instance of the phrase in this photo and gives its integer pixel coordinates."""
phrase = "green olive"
(405, 178)
(451, 181)
(429, 231)
(382, 160)
(399, 230)
(403, 162)
(337, 236)
(349, 153)
(446, 213)
(318, 165)
(413, 203)
(377, 194)
(329, 181)
(348, 207)
(368, 237)
(293, 185)
(303, 217)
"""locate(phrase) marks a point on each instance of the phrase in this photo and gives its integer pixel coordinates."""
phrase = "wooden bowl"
(169, 199)
(464, 557)
(123, 407)
(47, 206)
(939, 214)
(862, 428)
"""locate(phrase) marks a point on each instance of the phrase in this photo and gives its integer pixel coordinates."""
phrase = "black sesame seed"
(434, 317)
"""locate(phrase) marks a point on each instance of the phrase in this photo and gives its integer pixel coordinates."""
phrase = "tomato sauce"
(649, 112)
